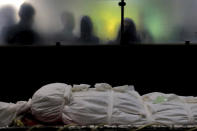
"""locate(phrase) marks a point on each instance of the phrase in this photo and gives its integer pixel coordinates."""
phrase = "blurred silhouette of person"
(145, 35)
(130, 35)
(7, 19)
(22, 33)
(66, 35)
(87, 36)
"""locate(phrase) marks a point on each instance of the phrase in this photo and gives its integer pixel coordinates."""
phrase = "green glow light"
(106, 17)
(155, 25)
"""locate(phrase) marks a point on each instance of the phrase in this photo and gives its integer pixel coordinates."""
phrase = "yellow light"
(111, 27)
(15, 3)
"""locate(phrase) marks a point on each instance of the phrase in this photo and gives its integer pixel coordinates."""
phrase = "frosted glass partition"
(156, 21)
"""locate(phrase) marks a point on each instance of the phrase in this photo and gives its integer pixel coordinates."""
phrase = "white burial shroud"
(171, 109)
(102, 104)
(83, 105)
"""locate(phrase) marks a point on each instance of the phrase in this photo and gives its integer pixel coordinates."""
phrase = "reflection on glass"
(155, 21)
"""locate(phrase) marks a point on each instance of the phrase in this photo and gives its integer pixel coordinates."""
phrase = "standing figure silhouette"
(22, 33)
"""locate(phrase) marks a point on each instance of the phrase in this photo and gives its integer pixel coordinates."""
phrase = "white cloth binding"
(110, 106)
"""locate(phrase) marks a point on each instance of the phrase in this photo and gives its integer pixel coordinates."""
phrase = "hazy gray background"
(166, 20)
